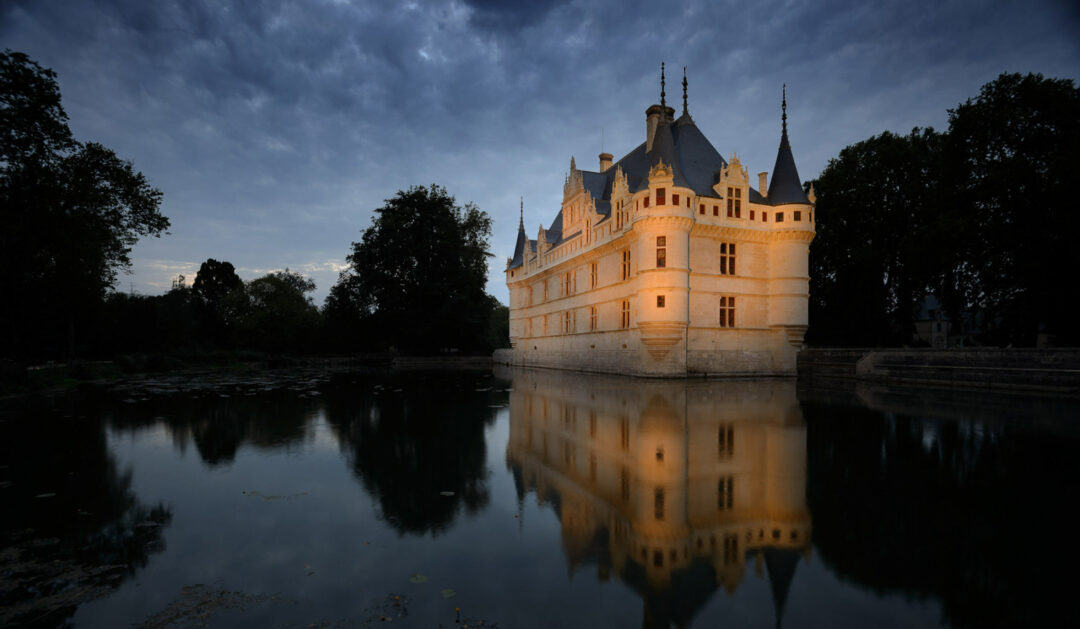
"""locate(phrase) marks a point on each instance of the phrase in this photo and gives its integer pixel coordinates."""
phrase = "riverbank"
(1049, 370)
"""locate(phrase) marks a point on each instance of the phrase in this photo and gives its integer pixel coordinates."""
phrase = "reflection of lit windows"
(658, 503)
(592, 424)
(731, 548)
(659, 454)
(725, 440)
(624, 484)
(624, 434)
(592, 467)
(658, 558)
(725, 493)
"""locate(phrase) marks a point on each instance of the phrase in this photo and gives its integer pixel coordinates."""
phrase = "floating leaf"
(448, 593)
(446, 493)
(417, 578)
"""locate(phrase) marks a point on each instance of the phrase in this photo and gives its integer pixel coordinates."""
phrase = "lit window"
(727, 312)
(727, 258)
(661, 196)
(779, 217)
(661, 252)
(659, 301)
(646, 202)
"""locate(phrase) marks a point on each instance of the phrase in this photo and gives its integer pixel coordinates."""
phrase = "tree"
(70, 214)
(873, 256)
(278, 315)
(418, 273)
(1011, 160)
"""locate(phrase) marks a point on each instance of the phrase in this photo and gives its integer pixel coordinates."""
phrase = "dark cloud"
(274, 128)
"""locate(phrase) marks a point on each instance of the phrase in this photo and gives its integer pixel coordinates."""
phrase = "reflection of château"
(671, 485)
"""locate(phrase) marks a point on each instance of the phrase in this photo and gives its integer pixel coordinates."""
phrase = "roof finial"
(685, 110)
(663, 102)
(783, 109)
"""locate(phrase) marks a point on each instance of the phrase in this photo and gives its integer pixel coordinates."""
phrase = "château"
(667, 262)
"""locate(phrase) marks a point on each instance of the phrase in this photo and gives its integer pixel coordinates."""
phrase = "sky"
(275, 129)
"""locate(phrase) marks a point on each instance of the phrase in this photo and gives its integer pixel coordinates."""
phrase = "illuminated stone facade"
(667, 262)
(674, 487)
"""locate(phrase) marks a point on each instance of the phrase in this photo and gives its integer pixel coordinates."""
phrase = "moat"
(533, 499)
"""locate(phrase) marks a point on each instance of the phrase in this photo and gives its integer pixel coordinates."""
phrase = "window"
(528, 327)
(797, 217)
(727, 312)
(658, 503)
(725, 493)
(779, 217)
(529, 296)
(592, 275)
(624, 320)
(661, 196)
(592, 318)
(626, 264)
(701, 209)
(674, 199)
(661, 252)
(687, 201)
(734, 202)
(659, 301)
(751, 215)
(545, 290)
(716, 210)
(545, 324)
(764, 217)
(725, 441)
(568, 283)
(727, 258)
(567, 329)
(646, 202)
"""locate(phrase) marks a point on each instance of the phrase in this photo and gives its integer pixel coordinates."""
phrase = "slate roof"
(695, 164)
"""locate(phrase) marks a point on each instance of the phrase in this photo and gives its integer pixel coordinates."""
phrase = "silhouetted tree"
(420, 271)
(873, 256)
(278, 316)
(222, 294)
(70, 214)
(1011, 158)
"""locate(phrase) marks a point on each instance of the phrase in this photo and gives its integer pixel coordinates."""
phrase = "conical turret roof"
(785, 187)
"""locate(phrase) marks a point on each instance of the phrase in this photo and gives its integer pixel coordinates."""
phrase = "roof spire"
(663, 102)
(521, 219)
(783, 116)
(685, 111)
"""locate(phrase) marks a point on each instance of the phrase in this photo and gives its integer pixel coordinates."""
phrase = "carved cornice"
(679, 222)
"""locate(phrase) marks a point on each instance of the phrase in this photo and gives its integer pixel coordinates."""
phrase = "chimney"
(763, 183)
(605, 161)
(652, 120)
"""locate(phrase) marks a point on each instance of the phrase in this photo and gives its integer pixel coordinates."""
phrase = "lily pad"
(446, 493)
(448, 593)
(418, 578)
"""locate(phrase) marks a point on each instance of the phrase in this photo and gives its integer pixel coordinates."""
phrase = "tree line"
(70, 213)
(981, 216)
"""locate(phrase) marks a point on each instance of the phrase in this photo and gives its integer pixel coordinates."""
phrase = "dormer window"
(661, 197)
(734, 202)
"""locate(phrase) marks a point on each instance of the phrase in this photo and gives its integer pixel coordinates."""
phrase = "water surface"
(533, 499)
